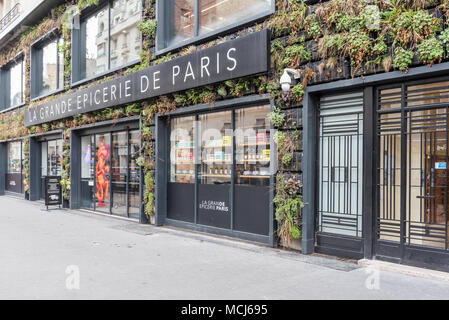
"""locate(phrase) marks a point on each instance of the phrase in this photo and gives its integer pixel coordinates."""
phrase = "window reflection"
(216, 14)
(14, 157)
(17, 79)
(125, 35)
(96, 43)
(180, 20)
(52, 67)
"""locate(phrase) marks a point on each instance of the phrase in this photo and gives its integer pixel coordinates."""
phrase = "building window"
(47, 74)
(12, 84)
(103, 41)
(179, 25)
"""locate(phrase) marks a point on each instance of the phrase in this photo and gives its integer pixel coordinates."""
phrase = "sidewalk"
(43, 251)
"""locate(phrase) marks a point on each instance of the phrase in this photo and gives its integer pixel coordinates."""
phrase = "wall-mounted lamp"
(286, 81)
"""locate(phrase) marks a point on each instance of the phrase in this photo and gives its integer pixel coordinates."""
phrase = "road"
(65, 254)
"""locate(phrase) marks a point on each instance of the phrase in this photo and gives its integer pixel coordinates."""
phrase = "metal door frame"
(403, 251)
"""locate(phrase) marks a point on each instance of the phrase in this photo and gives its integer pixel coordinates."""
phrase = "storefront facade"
(215, 169)
(104, 165)
(177, 113)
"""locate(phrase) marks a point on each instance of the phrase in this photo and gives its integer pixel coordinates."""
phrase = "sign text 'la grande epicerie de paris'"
(233, 59)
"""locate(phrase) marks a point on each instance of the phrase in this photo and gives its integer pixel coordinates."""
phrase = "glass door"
(181, 185)
(413, 192)
(44, 167)
(134, 175)
(15, 167)
(427, 195)
(252, 170)
(51, 161)
(119, 173)
(87, 172)
(214, 170)
(340, 167)
(102, 172)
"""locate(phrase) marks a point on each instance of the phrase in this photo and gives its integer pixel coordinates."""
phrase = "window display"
(216, 148)
(182, 150)
(252, 146)
(110, 176)
(229, 153)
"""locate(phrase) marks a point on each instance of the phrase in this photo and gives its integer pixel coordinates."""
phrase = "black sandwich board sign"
(53, 191)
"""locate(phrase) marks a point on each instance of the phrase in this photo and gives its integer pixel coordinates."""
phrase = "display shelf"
(254, 176)
(183, 162)
(217, 161)
(251, 160)
(254, 144)
(214, 175)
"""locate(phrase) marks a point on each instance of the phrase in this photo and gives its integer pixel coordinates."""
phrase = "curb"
(403, 269)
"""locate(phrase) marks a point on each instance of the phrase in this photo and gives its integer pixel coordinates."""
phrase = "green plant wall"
(319, 40)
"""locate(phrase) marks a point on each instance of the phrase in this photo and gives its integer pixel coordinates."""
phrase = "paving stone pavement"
(42, 253)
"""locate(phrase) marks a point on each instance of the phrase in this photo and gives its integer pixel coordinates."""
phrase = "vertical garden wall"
(324, 40)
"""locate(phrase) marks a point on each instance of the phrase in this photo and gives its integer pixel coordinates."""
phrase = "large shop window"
(15, 172)
(51, 161)
(47, 67)
(220, 169)
(110, 176)
(108, 38)
(12, 85)
(180, 26)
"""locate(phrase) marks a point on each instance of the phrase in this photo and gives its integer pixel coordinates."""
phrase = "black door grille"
(412, 171)
(340, 164)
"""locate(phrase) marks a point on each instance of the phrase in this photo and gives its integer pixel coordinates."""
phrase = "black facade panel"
(251, 209)
(3, 165)
(35, 170)
(342, 246)
(214, 207)
(75, 171)
(181, 204)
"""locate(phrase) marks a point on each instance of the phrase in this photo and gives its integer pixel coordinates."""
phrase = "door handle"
(425, 197)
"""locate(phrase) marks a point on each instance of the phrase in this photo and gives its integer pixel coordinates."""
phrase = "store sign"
(440, 165)
(233, 59)
(217, 206)
(53, 191)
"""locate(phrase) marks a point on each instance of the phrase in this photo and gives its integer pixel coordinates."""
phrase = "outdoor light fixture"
(286, 81)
